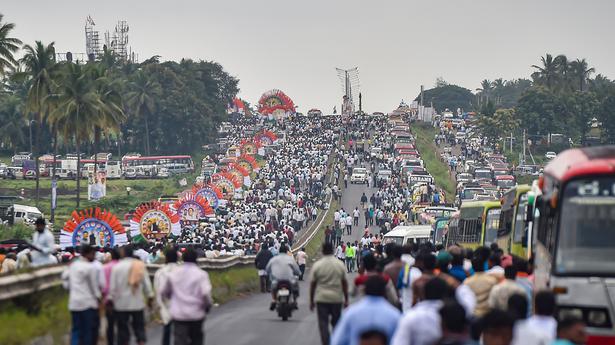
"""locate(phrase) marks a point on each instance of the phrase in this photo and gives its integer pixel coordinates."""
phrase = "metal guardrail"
(21, 284)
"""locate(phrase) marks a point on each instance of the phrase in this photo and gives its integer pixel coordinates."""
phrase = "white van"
(406, 234)
(114, 169)
(24, 214)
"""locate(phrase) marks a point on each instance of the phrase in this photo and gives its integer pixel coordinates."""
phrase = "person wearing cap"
(43, 245)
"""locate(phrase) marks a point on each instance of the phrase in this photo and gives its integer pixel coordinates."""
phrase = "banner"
(97, 185)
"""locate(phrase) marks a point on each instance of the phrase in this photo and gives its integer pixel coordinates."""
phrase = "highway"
(249, 321)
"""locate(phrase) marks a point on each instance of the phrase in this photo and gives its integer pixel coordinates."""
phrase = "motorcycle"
(284, 305)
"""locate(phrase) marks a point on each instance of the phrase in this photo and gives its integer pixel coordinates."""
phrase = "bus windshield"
(492, 223)
(587, 230)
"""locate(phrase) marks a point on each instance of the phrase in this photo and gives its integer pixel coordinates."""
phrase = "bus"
(575, 237)
(478, 224)
(512, 232)
(158, 161)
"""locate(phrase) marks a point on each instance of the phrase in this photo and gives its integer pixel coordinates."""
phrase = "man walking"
(43, 245)
(328, 291)
(261, 261)
(130, 286)
(81, 280)
(189, 291)
(301, 258)
(160, 280)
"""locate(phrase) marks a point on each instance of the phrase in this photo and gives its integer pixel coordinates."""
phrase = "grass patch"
(429, 153)
(40, 314)
(230, 283)
(17, 231)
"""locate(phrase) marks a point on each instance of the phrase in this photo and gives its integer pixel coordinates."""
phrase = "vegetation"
(17, 232)
(447, 96)
(430, 155)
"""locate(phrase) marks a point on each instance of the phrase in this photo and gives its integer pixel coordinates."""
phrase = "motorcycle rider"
(283, 267)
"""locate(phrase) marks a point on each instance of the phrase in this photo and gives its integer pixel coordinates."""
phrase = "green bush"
(16, 231)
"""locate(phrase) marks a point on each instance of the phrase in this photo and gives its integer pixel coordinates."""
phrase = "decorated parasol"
(227, 183)
(247, 162)
(239, 173)
(153, 221)
(93, 226)
(265, 137)
(275, 103)
(211, 193)
(192, 207)
(250, 147)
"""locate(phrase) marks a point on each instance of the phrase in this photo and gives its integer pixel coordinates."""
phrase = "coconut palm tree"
(485, 89)
(581, 72)
(110, 114)
(11, 122)
(40, 66)
(78, 107)
(498, 89)
(8, 45)
(142, 99)
(547, 74)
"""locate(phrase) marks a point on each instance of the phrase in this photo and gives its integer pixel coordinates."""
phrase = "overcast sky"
(296, 45)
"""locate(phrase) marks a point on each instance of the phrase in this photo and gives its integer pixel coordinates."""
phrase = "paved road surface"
(248, 320)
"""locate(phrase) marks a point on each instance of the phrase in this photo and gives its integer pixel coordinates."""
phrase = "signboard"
(420, 178)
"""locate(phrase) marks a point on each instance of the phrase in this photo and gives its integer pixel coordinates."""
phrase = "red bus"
(158, 161)
(574, 236)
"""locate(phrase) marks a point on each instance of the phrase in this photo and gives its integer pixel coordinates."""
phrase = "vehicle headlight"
(570, 312)
(597, 318)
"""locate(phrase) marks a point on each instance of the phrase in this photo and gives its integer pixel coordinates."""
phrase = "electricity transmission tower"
(349, 79)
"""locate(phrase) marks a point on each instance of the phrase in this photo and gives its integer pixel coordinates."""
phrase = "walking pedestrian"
(328, 291)
(160, 280)
(109, 314)
(301, 258)
(372, 313)
(130, 287)
(349, 257)
(189, 291)
(81, 281)
(261, 261)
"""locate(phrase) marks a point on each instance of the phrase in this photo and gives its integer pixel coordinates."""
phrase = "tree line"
(106, 105)
(563, 96)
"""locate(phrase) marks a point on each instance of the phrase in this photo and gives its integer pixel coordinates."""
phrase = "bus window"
(520, 229)
(588, 218)
(492, 223)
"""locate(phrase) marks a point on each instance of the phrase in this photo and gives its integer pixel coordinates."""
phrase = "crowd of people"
(426, 295)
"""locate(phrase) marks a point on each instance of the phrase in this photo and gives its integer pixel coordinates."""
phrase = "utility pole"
(360, 104)
(524, 142)
(511, 142)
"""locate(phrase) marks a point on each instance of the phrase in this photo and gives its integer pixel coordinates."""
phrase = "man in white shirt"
(540, 328)
(421, 324)
(160, 280)
(43, 245)
(301, 258)
(81, 279)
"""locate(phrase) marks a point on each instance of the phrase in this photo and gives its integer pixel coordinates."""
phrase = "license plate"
(283, 292)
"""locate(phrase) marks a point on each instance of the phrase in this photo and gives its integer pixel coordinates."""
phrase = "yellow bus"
(512, 231)
(477, 225)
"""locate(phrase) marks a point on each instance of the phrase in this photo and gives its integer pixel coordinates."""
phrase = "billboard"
(97, 185)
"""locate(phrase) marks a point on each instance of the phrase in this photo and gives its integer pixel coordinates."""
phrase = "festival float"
(192, 207)
(227, 183)
(265, 137)
(240, 173)
(248, 162)
(237, 106)
(153, 221)
(276, 105)
(94, 227)
(211, 193)
(251, 147)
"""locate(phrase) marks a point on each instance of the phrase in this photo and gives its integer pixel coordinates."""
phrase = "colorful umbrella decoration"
(275, 102)
(211, 193)
(153, 221)
(192, 207)
(266, 137)
(248, 162)
(250, 147)
(240, 173)
(95, 227)
(227, 183)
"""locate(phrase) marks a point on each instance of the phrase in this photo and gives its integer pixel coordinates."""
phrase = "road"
(249, 321)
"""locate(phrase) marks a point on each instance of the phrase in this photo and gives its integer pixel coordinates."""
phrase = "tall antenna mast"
(349, 79)
(92, 41)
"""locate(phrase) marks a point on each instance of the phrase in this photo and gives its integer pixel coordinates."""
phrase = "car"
(550, 155)
(359, 175)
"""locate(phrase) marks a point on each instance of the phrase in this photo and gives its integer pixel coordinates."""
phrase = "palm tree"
(76, 115)
(581, 71)
(486, 86)
(8, 45)
(11, 122)
(498, 89)
(142, 99)
(110, 114)
(548, 72)
(40, 66)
